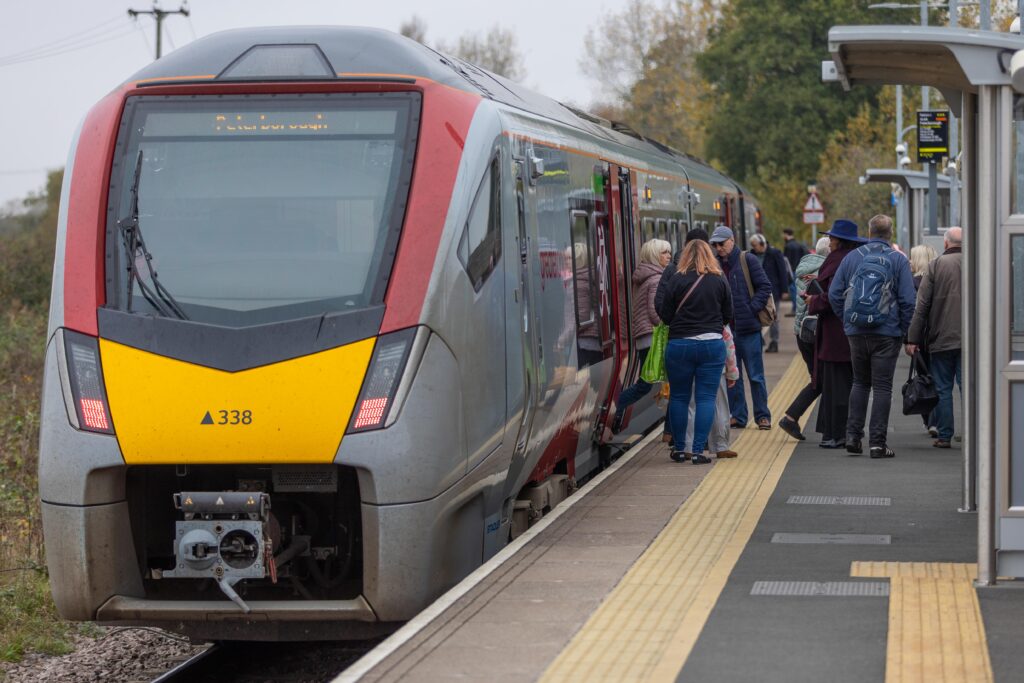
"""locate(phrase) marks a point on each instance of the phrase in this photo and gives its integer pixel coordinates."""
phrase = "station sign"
(814, 212)
(932, 136)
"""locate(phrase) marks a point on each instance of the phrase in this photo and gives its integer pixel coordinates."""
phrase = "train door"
(530, 329)
(618, 230)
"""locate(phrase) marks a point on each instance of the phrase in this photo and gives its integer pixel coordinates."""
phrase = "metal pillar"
(969, 332)
(983, 300)
(933, 199)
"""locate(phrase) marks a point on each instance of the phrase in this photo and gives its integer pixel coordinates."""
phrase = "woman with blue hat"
(833, 371)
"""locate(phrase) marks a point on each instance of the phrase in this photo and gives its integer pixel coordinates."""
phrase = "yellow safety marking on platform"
(935, 628)
(647, 626)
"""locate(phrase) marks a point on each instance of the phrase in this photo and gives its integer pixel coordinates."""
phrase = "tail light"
(382, 379)
(85, 377)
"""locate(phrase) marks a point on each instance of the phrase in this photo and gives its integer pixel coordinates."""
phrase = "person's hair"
(651, 250)
(697, 234)
(787, 231)
(759, 238)
(823, 247)
(920, 257)
(697, 255)
(880, 227)
(955, 236)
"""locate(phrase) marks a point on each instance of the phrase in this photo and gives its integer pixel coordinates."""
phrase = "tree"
(773, 115)
(414, 28)
(497, 52)
(615, 51)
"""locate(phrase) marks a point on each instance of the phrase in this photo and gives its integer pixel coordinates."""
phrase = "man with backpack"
(873, 294)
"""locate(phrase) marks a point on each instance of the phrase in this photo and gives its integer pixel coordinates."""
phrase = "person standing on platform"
(696, 306)
(936, 322)
(806, 271)
(654, 257)
(833, 371)
(794, 251)
(720, 437)
(779, 274)
(920, 257)
(746, 328)
(873, 293)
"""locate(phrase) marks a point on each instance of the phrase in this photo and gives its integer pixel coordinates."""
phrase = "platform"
(790, 563)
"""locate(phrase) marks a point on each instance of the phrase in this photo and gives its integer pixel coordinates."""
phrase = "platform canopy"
(950, 59)
(908, 180)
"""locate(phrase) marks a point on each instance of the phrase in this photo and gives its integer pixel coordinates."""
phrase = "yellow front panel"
(288, 412)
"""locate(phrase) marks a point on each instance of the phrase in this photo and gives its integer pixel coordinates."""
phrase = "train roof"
(350, 53)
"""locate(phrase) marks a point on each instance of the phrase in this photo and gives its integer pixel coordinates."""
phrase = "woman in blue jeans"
(696, 304)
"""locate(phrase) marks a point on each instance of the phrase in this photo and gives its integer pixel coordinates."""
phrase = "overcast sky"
(44, 99)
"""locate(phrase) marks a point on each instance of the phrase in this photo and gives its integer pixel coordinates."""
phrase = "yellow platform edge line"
(936, 632)
(702, 556)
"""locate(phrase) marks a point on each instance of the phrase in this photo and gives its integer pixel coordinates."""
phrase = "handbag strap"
(746, 274)
(917, 364)
(688, 293)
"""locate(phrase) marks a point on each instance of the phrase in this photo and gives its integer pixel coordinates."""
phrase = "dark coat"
(830, 343)
(744, 308)
(937, 318)
(774, 264)
(795, 251)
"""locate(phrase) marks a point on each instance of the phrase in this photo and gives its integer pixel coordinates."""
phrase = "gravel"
(118, 654)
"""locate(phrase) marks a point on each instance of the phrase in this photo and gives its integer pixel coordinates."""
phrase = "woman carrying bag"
(696, 305)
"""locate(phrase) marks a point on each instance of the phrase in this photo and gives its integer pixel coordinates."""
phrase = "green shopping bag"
(654, 365)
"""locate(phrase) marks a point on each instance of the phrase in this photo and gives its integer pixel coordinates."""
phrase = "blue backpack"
(869, 296)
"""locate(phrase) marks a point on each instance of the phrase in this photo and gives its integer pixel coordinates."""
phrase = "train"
(334, 317)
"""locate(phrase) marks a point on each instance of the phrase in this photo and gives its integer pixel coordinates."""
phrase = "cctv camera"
(901, 149)
(904, 162)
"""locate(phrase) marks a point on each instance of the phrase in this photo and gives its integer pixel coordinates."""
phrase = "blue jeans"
(945, 367)
(749, 359)
(693, 367)
(792, 294)
(634, 392)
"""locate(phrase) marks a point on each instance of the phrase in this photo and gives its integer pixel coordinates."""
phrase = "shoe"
(829, 443)
(679, 456)
(772, 348)
(933, 432)
(616, 425)
(764, 424)
(666, 437)
(882, 452)
(735, 424)
(854, 447)
(941, 443)
(791, 427)
(727, 454)
(699, 459)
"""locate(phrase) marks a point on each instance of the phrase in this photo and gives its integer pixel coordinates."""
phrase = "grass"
(28, 619)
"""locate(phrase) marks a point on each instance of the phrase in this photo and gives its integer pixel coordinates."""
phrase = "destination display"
(932, 136)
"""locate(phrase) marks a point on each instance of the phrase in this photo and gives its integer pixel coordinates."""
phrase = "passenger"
(874, 346)
(779, 274)
(746, 327)
(920, 257)
(588, 337)
(696, 305)
(833, 372)
(720, 436)
(794, 252)
(936, 323)
(654, 257)
(806, 271)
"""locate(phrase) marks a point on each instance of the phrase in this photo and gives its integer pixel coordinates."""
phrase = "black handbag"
(919, 394)
(808, 328)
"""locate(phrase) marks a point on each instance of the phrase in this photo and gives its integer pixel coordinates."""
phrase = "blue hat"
(722, 234)
(844, 230)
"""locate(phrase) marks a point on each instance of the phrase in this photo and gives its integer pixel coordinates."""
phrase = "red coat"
(831, 343)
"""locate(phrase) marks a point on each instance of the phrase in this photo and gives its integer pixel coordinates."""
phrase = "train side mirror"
(536, 168)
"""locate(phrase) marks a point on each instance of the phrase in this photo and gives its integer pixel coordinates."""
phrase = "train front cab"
(161, 386)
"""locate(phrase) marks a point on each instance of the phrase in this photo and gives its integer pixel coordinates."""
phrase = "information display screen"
(932, 136)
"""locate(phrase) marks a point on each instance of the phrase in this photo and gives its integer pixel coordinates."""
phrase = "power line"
(159, 15)
(55, 52)
(65, 41)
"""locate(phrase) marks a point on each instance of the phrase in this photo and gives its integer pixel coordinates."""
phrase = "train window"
(673, 235)
(480, 245)
(583, 269)
(646, 230)
(260, 209)
(662, 229)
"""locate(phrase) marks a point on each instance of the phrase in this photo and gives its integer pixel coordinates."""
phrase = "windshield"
(256, 209)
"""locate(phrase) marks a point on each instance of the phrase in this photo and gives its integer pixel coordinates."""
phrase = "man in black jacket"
(793, 250)
(779, 274)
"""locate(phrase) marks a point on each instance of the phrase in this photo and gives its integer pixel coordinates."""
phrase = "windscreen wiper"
(158, 296)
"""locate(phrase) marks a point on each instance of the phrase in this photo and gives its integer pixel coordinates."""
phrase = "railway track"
(258, 662)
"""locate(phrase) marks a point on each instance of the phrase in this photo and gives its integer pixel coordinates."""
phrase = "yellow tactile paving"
(646, 628)
(935, 629)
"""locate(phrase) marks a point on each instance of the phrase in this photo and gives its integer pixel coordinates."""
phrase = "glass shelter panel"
(1017, 297)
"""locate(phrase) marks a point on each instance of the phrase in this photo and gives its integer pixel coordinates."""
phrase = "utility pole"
(954, 138)
(159, 15)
